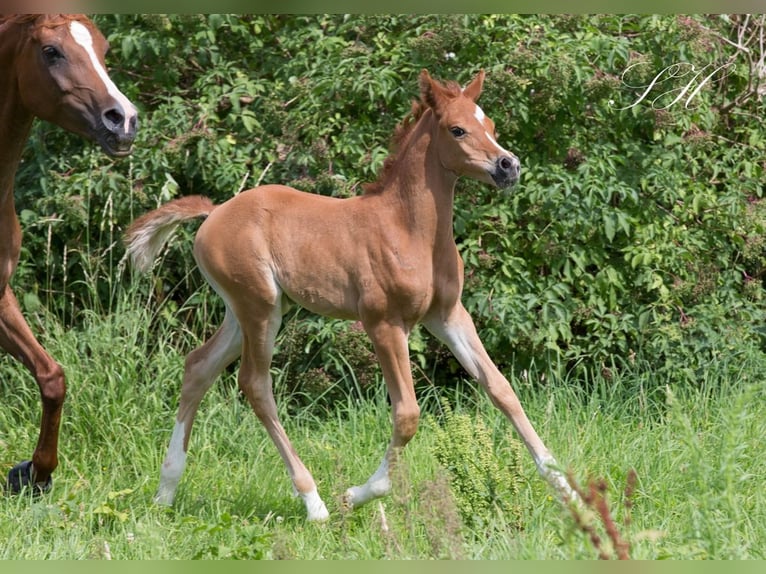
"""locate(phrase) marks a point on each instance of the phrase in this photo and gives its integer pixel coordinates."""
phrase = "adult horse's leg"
(202, 367)
(390, 343)
(456, 329)
(260, 331)
(16, 338)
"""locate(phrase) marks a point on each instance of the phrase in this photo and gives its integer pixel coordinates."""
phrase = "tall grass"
(696, 452)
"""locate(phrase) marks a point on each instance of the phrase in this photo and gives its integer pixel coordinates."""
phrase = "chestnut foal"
(387, 258)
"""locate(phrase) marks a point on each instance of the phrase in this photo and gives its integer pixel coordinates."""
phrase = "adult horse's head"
(466, 139)
(62, 79)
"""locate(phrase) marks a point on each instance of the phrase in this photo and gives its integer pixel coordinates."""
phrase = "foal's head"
(466, 139)
(62, 79)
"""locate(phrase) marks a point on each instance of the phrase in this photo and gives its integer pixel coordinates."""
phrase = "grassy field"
(697, 454)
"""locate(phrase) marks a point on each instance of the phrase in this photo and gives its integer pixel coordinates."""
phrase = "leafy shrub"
(347, 367)
(636, 230)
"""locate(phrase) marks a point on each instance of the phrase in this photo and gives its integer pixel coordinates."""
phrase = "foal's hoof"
(20, 477)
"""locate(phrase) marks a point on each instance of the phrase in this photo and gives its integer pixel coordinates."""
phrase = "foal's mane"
(402, 131)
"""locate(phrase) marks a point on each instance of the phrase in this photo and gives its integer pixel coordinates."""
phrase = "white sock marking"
(315, 507)
(173, 467)
(376, 486)
(548, 469)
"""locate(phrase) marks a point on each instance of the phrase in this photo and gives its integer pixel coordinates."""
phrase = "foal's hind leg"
(260, 330)
(17, 338)
(456, 329)
(202, 367)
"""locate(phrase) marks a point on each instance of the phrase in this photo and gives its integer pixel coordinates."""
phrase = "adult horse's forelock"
(43, 20)
(53, 20)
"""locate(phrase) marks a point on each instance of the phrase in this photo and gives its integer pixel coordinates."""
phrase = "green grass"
(697, 453)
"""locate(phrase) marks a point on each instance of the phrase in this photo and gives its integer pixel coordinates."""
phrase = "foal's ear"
(431, 91)
(473, 90)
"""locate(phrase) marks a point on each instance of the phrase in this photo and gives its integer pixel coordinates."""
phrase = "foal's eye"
(458, 132)
(51, 55)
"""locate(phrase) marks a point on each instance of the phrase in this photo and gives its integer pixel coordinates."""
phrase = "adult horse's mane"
(40, 19)
(401, 132)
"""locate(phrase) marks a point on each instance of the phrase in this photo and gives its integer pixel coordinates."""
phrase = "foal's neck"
(423, 190)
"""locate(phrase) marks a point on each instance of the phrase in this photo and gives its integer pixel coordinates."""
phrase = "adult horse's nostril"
(506, 163)
(113, 119)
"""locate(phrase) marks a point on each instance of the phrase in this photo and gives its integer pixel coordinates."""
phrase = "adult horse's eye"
(458, 132)
(51, 55)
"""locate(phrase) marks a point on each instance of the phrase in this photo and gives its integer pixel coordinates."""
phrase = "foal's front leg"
(456, 329)
(390, 342)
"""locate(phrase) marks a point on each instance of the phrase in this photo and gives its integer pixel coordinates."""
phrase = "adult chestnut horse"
(387, 258)
(52, 68)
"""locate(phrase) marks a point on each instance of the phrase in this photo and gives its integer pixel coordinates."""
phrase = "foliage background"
(620, 287)
(635, 236)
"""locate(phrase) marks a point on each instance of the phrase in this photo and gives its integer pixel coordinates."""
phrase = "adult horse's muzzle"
(507, 171)
(116, 133)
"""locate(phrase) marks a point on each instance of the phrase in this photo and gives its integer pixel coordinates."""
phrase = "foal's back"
(333, 256)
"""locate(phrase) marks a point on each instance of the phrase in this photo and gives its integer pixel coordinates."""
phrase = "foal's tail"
(148, 234)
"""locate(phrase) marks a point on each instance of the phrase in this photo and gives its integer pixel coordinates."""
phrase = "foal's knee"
(406, 422)
(504, 398)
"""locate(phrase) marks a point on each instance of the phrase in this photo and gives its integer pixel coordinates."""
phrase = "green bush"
(636, 231)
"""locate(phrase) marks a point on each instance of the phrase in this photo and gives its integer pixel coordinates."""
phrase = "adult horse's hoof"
(20, 477)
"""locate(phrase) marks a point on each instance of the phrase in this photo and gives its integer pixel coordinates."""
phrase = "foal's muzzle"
(507, 171)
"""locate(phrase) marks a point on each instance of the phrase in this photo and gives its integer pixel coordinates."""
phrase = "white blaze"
(479, 115)
(82, 36)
